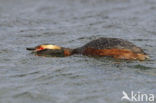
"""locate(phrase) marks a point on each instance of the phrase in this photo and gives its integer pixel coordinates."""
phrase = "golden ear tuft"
(51, 47)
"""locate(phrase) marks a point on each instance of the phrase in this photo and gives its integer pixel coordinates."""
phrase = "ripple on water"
(25, 78)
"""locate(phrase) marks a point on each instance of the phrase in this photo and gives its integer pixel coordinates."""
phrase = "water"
(25, 78)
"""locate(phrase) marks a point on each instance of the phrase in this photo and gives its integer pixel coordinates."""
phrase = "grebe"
(112, 47)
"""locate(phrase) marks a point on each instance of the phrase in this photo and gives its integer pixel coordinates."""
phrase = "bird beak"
(30, 48)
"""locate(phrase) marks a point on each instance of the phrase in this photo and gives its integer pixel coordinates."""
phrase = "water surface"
(25, 78)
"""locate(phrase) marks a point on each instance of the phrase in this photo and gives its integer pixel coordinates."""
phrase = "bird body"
(112, 47)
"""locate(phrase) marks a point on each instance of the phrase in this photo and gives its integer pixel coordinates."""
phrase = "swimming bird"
(111, 47)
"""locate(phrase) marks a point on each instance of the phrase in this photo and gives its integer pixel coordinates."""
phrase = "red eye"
(39, 48)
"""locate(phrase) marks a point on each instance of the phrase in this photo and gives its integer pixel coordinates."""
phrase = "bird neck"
(68, 51)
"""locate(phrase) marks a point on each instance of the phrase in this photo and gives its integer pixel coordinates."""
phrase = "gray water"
(25, 78)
